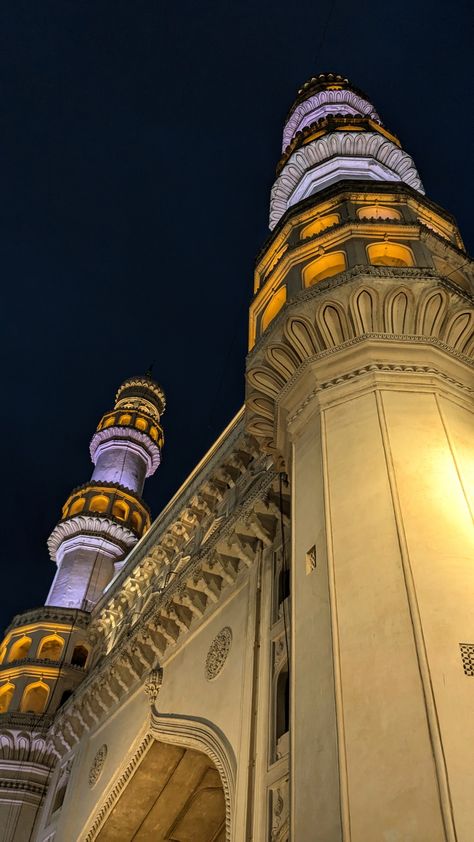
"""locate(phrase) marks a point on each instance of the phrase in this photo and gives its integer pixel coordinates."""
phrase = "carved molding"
(202, 736)
(358, 145)
(320, 104)
(338, 317)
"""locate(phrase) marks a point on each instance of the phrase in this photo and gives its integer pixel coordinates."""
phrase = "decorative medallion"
(218, 651)
(97, 765)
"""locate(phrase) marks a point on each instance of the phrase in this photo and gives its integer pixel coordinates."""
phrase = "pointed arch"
(332, 322)
(192, 733)
(460, 329)
(431, 312)
(203, 736)
(364, 311)
(301, 334)
(399, 312)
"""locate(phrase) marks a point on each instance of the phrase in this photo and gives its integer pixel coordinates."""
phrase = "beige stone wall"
(390, 457)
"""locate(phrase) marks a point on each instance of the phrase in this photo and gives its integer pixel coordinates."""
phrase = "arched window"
(154, 433)
(99, 503)
(77, 506)
(51, 647)
(120, 510)
(20, 648)
(141, 424)
(79, 655)
(109, 421)
(35, 698)
(6, 695)
(136, 521)
(282, 720)
(389, 254)
(320, 224)
(273, 308)
(378, 212)
(125, 419)
(324, 267)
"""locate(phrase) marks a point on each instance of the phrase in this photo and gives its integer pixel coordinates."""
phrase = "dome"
(142, 387)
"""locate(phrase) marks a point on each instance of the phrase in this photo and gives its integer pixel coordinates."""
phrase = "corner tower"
(360, 380)
(103, 519)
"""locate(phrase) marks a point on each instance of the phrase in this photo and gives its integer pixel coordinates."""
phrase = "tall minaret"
(360, 380)
(103, 519)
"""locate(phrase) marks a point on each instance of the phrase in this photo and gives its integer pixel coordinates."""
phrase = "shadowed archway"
(175, 795)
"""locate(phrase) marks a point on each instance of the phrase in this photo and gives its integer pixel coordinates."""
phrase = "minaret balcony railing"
(135, 421)
(109, 501)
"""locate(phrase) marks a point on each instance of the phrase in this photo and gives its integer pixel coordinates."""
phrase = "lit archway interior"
(176, 795)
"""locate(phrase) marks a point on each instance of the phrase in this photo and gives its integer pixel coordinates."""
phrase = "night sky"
(138, 144)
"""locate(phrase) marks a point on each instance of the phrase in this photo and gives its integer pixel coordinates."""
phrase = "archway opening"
(176, 793)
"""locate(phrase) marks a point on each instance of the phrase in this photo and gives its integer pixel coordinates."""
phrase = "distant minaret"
(103, 519)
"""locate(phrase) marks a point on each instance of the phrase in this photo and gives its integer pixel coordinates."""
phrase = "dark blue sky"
(138, 142)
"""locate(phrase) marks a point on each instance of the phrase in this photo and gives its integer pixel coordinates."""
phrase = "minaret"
(360, 381)
(103, 519)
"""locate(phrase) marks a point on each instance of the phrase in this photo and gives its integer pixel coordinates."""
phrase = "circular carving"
(218, 651)
(97, 765)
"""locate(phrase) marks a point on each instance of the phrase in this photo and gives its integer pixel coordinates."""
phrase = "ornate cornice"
(48, 615)
(389, 306)
(319, 104)
(173, 586)
(357, 145)
(117, 537)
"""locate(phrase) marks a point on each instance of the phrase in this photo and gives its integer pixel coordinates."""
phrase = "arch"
(364, 311)
(399, 312)
(197, 734)
(153, 433)
(51, 647)
(20, 648)
(120, 510)
(431, 312)
(389, 254)
(109, 421)
(136, 521)
(141, 424)
(35, 697)
(99, 503)
(125, 419)
(273, 308)
(320, 224)
(332, 322)
(460, 329)
(77, 506)
(378, 212)
(323, 267)
(207, 738)
(6, 696)
(79, 656)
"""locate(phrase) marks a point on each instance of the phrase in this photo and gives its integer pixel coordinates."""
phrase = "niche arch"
(183, 732)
